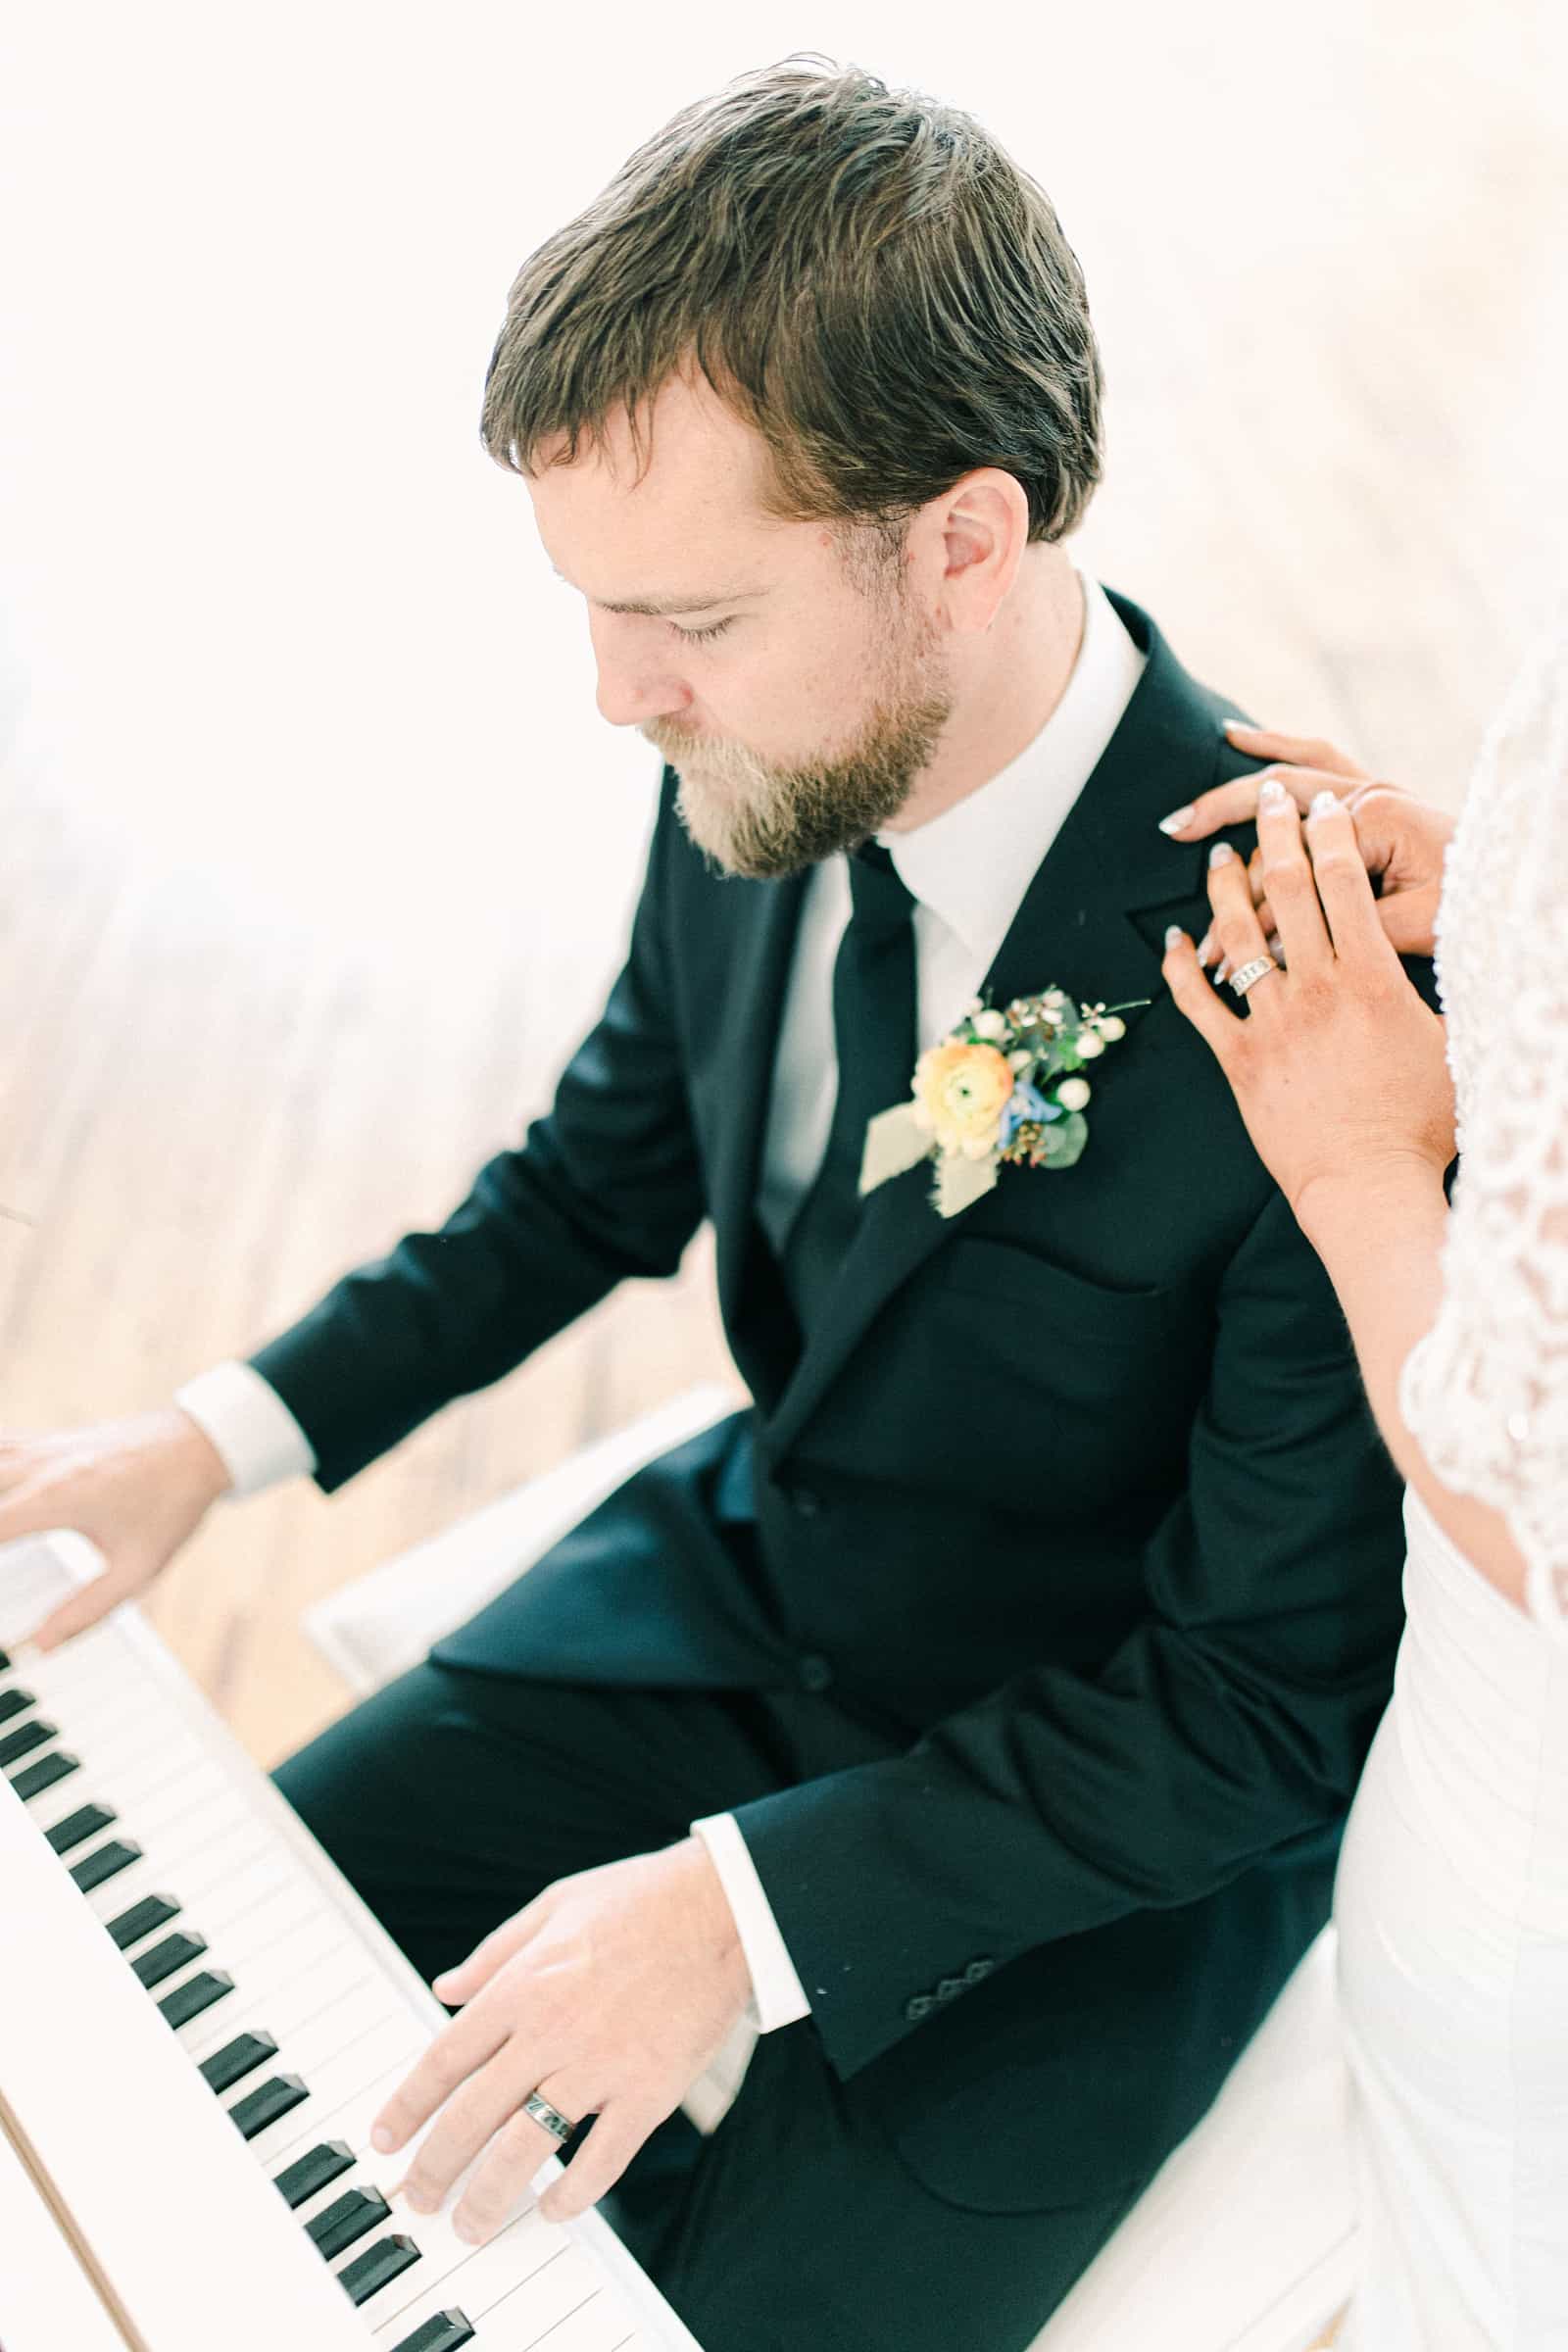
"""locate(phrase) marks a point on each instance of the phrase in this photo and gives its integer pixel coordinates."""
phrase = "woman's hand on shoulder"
(1337, 1066)
(1402, 840)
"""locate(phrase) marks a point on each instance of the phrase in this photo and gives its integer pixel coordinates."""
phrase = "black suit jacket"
(1080, 1490)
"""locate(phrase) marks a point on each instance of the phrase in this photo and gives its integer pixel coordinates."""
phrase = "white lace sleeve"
(1485, 1392)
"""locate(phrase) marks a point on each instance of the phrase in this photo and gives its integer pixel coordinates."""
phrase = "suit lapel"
(756, 1311)
(1092, 922)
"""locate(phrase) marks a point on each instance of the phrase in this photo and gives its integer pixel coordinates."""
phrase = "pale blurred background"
(314, 855)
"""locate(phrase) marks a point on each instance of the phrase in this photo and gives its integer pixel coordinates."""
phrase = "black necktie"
(874, 1037)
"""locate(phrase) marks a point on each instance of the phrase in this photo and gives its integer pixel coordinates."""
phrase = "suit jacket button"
(948, 1987)
(919, 2004)
(814, 1670)
(806, 1501)
(976, 1970)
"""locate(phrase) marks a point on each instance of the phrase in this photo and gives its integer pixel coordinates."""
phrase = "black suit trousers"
(453, 1796)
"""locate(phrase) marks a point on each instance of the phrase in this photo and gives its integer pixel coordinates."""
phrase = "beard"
(760, 819)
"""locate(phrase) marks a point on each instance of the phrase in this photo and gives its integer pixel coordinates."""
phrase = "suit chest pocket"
(1068, 1392)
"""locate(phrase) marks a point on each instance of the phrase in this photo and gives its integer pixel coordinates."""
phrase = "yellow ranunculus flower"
(959, 1093)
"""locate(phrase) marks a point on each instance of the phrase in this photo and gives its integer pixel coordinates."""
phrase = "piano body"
(198, 2022)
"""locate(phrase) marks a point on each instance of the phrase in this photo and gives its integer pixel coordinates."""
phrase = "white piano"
(198, 2022)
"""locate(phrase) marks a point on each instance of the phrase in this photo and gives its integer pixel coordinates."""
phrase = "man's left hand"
(608, 1995)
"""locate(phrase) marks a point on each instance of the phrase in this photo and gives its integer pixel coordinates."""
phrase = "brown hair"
(864, 276)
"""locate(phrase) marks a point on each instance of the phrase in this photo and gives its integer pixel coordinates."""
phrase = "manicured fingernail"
(382, 2139)
(1173, 935)
(1272, 790)
(1176, 819)
(1325, 802)
(1224, 973)
(1205, 947)
(470, 2231)
(1221, 854)
(1238, 726)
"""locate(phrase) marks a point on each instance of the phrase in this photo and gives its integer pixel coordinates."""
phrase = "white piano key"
(289, 1953)
(350, 2119)
(184, 1819)
(538, 2309)
(603, 2327)
(204, 1877)
(328, 2008)
(265, 1980)
(107, 1735)
(279, 2006)
(526, 2249)
(216, 1816)
(243, 1934)
(223, 1910)
(333, 2081)
(341, 2027)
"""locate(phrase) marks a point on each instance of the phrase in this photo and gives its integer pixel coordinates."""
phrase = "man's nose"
(637, 684)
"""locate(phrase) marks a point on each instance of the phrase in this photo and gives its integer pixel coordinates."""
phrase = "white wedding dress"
(1451, 1900)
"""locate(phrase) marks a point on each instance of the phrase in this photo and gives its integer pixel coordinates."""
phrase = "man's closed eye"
(702, 636)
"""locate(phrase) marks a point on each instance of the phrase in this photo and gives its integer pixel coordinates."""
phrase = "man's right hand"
(138, 1488)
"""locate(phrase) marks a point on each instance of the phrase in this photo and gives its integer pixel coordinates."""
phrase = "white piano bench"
(1244, 2241)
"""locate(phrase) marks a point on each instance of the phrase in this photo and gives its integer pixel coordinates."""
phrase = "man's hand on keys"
(608, 1997)
(137, 1487)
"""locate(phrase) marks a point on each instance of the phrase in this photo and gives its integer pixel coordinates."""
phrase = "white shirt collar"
(972, 865)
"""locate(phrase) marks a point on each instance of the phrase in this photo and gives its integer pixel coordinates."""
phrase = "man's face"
(800, 727)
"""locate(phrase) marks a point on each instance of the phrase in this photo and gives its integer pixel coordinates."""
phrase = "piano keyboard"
(177, 1870)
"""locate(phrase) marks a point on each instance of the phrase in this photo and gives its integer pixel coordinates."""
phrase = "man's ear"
(983, 527)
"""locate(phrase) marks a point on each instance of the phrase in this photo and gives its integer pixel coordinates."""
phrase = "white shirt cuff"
(778, 1997)
(251, 1426)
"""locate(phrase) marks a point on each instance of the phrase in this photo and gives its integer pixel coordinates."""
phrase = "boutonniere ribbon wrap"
(1000, 1086)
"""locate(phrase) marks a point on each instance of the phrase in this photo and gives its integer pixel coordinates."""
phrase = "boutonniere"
(1001, 1086)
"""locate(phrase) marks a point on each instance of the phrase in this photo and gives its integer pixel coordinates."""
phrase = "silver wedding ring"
(552, 2117)
(1251, 973)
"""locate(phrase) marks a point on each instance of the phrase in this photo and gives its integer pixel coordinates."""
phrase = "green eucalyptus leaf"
(1064, 1144)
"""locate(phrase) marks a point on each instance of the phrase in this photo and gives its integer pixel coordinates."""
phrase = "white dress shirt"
(967, 870)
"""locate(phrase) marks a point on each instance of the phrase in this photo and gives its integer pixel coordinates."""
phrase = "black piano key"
(5, 1661)
(197, 1993)
(19, 1743)
(78, 1827)
(43, 1775)
(14, 1702)
(140, 1920)
(163, 1958)
(237, 2059)
(262, 2107)
(368, 2272)
(444, 2331)
(104, 1862)
(335, 2229)
(299, 2181)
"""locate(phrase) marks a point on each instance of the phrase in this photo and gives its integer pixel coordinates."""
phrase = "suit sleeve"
(1233, 1719)
(606, 1183)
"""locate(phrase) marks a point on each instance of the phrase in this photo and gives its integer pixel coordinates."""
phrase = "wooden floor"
(1329, 285)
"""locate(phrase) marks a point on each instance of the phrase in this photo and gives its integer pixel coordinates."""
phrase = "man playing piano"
(982, 1705)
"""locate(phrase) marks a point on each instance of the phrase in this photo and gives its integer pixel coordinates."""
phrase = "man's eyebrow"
(660, 606)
